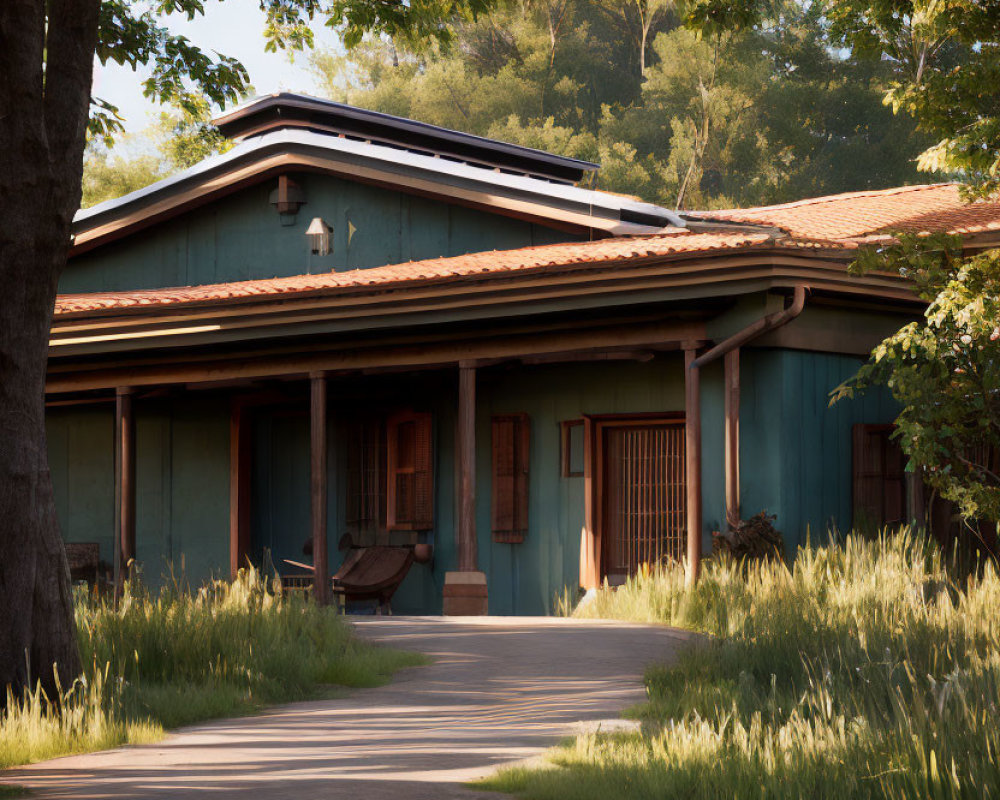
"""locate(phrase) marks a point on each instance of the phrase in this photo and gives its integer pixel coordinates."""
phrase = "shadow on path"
(499, 690)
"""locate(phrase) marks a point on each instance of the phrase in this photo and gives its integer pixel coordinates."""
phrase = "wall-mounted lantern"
(320, 236)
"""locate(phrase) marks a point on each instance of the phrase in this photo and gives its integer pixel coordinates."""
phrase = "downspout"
(755, 329)
(730, 348)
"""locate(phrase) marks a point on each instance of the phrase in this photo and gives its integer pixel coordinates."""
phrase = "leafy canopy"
(729, 118)
(182, 74)
(943, 60)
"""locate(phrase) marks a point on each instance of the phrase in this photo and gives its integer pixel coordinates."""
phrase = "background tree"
(765, 114)
(47, 52)
(179, 139)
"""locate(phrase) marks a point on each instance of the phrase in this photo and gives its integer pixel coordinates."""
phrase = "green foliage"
(182, 74)
(181, 139)
(161, 662)
(944, 369)
(862, 673)
(106, 176)
(764, 116)
(943, 61)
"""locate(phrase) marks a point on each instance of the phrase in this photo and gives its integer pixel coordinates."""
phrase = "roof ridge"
(832, 198)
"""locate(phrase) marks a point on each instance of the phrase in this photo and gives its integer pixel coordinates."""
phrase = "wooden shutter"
(366, 494)
(410, 468)
(879, 477)
(511, 440)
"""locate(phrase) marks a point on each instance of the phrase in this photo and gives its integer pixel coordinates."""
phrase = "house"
(351, 323)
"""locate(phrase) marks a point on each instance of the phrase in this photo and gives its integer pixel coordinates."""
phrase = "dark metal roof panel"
(288, 110)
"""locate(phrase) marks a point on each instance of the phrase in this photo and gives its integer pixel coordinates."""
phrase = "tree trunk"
(43, 116)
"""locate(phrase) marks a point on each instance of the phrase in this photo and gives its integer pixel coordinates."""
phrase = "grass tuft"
(865, 671)
(181, 657)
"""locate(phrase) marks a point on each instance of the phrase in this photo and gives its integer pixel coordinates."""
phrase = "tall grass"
(865, 671)
(182, 656)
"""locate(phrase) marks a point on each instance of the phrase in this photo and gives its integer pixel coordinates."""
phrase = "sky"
(232, 28)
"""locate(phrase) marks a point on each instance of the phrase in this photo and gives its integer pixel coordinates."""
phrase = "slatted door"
(644, 497)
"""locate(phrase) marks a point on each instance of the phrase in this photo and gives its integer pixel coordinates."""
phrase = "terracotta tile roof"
(603, 251)
(835, 222)
(855, 215)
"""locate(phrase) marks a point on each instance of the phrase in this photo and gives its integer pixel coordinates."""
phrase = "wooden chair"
(368, 573)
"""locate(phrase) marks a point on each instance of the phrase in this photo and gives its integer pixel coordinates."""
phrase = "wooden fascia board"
(393, 338)
(568, 276)
(230, 367)
(479, 300)
(259, 170)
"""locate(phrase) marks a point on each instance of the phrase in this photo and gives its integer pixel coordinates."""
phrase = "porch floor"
(500, 689)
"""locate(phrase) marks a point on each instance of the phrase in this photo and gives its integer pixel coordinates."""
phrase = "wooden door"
(879, 478)
(643, 496)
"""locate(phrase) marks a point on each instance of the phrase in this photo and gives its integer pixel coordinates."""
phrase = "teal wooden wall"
(795, 454)
(523, 578)
(241, 237)
(81, 460)
(795, 462)
(182, 484)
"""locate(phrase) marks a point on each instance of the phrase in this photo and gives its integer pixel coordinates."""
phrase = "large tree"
(47, 52)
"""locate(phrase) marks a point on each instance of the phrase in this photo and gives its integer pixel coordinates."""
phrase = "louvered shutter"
(879, 478)
(410, 468)
(511, 443)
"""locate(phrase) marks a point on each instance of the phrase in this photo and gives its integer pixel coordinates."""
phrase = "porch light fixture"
(320, 236)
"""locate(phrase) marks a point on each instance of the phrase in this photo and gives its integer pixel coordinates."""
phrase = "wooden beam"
(466, 532)
(590, 542)
(124, 486)
(317, 431)
(732, 411)
(239, 486)
(692, 441)
(244, 365)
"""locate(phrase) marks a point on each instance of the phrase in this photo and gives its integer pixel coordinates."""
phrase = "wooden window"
(410, 471)
(511, 454)
(366, 491)
(572, 449)
(879, 478)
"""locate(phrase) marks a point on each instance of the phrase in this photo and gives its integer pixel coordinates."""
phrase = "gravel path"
(500, 689)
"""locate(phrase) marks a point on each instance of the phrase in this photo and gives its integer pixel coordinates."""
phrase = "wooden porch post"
(321, 581)
(732, 410)
(692, 442)
(124, 486)
(239, 486)
(466, 538)
(465, 591)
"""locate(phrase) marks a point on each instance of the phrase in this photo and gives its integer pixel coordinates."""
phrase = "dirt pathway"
(499, 690)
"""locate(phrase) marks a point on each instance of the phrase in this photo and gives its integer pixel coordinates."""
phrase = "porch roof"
(481, 265)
